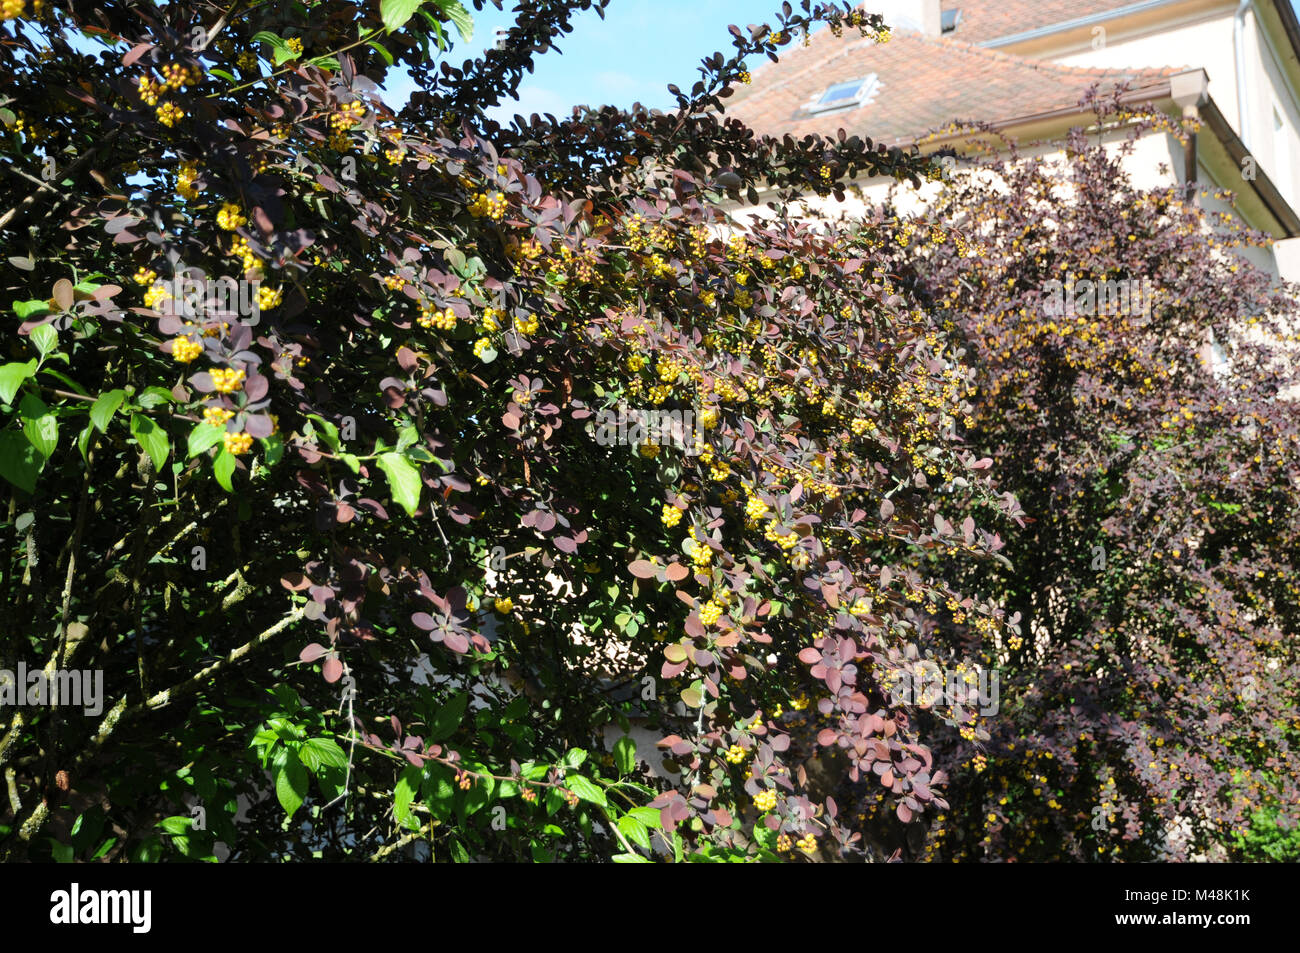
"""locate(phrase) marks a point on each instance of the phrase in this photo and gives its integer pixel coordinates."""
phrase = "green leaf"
(388, 57)
(202, 437)
(222, 467)
(323, 751)
(152, 437)
(34, 308)
(83, 442)
(403, 479)
(455, 11)
(574, 758)
(291, 784)
(353, 463)
(223, 74)
(40, 426)
(153, 396)
(448, 718)
(63, 853)
(329, 433)
(625, 755)
(177, 824)
(12, 377)
(395, 13)
(45, 338)
(104, 407)
(404, 794)
(648, 816)
(407, 437)
(629, 859)
(585, 789)
(634, 831)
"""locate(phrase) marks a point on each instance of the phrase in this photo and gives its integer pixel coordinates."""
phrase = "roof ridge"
(1044, 65)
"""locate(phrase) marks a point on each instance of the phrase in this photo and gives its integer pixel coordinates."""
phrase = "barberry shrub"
(344, 543)
(1136, 377)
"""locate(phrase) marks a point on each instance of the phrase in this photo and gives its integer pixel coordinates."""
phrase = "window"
(855, 92)
(949, 20)
(1282, 154)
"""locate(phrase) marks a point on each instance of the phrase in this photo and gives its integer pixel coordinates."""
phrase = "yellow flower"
(735, 754)
(227, 380)
(765, 800)
(230, 218)
(268, 298)
(671, 515)
(169, 114)
(504, 606)
(237, 443)
(185, 350)
(217, 416)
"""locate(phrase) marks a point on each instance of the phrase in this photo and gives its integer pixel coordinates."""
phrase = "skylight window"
(949, 20)
(855, 92)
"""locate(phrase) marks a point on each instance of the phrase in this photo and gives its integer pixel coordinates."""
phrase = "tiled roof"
(983, 20)
(925, 84)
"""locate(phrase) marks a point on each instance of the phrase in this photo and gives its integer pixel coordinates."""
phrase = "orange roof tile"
(925, 84)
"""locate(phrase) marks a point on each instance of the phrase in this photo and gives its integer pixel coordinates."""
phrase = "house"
(1022, 66)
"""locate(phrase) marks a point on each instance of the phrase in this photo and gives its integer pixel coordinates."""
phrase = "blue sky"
(633, 54)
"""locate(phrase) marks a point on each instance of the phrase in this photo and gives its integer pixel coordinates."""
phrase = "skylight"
(854, 92)
(949, 20)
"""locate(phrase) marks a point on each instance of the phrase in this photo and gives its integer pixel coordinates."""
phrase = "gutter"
(1239, 56)
(1268, 193)
(1089, 20)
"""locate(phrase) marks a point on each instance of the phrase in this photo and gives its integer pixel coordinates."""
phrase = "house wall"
(1205, 40)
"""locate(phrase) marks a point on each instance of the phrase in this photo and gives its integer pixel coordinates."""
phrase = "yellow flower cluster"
(185, 350)
(650, 450)
(169, 114)
(709, 418)
(786, 541)
(149, 89)
(807, 843)
(635, 362)
(394, 282)
(431, 317)
(735, 754)
(227, 380)
(237, 443)
(700, 554)
(489, 205)
(230, 217)
(347, 116)
(239, 248)
(144, 276)
(268, 298)
(527, 325)
(492, 318)
(295, 45)
(156, 295)
(710, 613)
(671, 515)
(185, 178)
(481, 346)
(765, 800)
(178, 77)
(217, 416)
(504, 606)
(783, 842)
